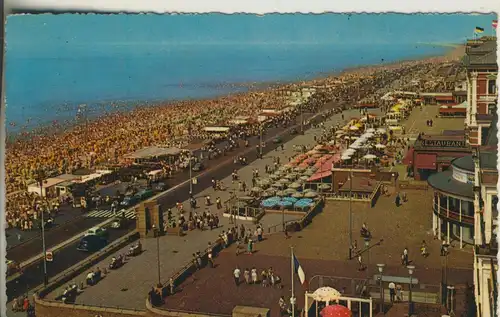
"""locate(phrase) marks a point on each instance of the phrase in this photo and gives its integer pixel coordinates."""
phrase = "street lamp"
(350, 214)
(40, 179)
(450, 305)
(381, 270)
(260, 141)
(410, 268)
(367, 248)
(156, 232)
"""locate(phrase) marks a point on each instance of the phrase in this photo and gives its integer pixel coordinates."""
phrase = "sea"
(60, 66)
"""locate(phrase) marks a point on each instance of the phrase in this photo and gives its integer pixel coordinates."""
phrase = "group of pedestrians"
(266, 277)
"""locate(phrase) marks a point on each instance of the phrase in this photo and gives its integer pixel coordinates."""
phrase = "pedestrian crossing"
(129, 214)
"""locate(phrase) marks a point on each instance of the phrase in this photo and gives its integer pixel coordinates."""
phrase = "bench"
(396, 279)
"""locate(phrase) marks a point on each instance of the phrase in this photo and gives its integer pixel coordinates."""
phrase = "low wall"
(410, 184)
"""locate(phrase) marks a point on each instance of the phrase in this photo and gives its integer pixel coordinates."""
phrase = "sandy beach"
(105, 140)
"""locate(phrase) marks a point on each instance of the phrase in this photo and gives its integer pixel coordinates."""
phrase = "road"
(63, 259)
(216, 168)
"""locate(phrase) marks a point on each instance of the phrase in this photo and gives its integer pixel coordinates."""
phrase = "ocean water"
(55, 63)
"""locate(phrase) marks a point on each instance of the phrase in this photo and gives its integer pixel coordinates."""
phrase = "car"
(277, 140)
(118, 223)
(144, 194)
(91, 243)
(12, 267)
(129, 200)
(160, 187)
(198, 167)
(97, 231)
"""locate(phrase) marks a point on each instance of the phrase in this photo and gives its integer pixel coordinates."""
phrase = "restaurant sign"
(443, 143)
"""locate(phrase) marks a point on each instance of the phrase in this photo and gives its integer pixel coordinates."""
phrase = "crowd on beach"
(105, 140)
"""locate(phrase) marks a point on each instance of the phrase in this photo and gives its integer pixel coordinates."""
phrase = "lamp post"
(260, 140)
(301, 119)
(367, 248)
(190, 173)
(350, 214)
(450, 305)
(410, 268)
(381, 270)
(156, 232)
(40, 179)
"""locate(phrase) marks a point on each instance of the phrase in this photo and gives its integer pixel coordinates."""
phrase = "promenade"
(128, 286)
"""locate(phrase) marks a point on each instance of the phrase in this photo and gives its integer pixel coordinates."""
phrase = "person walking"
(236, 276)
(398, 200)
(392, 291)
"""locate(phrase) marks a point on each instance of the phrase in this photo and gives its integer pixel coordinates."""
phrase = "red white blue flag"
(299, 271)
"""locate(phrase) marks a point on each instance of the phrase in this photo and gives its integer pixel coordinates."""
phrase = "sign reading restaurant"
(444, 143)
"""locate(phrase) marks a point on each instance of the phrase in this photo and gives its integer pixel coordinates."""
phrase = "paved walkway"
(321, 249)
(128, 286)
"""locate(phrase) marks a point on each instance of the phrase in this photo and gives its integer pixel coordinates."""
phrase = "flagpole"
(292, 300)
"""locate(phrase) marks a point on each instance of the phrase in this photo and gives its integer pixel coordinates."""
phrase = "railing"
(453, 215)
(84, 265)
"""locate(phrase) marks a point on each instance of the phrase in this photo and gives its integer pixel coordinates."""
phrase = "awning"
(319, 175)
(444, 98)
(408, 160)
(425, 161)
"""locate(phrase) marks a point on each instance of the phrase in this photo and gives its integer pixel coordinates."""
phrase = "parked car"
(97, 231)
(198, 167)
(144, 194)
(160, 187)
(92, 243)
(129, 201)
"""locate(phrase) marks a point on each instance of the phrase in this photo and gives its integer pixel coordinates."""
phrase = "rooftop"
(445, 182)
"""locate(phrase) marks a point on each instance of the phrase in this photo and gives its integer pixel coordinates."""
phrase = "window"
(492, 108)
(492, 87)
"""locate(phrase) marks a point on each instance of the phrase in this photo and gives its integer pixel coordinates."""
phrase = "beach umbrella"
(297, 195)
(275, 176)
(256, 189)
(370, 130)
(295, 185)
(347, 137)
(284, 181)
(336, 311)
(264, 181)
(308, 173)
(291, 176)
(270, 192)
(280, 193)
(266, 194)
(290, 199)
(324, 186)
(311, 194)
(269, 203)
(304, 178)
(369, 156)
(379, 146)
(349, 151)
(285, 203)
(381, 130)
(345, 158)
(278, 185)
(290, 191)
(307, 190)
(353, 128)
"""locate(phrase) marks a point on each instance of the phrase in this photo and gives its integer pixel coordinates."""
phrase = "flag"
(478, 30)
(494, 24)
(299, 271)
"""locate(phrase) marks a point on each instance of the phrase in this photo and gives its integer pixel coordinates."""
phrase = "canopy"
(369, 156)
(379, 146)
(326, 294)
(319, 175)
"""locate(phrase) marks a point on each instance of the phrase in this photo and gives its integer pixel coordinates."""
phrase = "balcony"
(453, 215)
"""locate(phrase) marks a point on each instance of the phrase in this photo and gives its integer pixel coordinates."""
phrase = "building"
(434, 153)
(480, 62)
